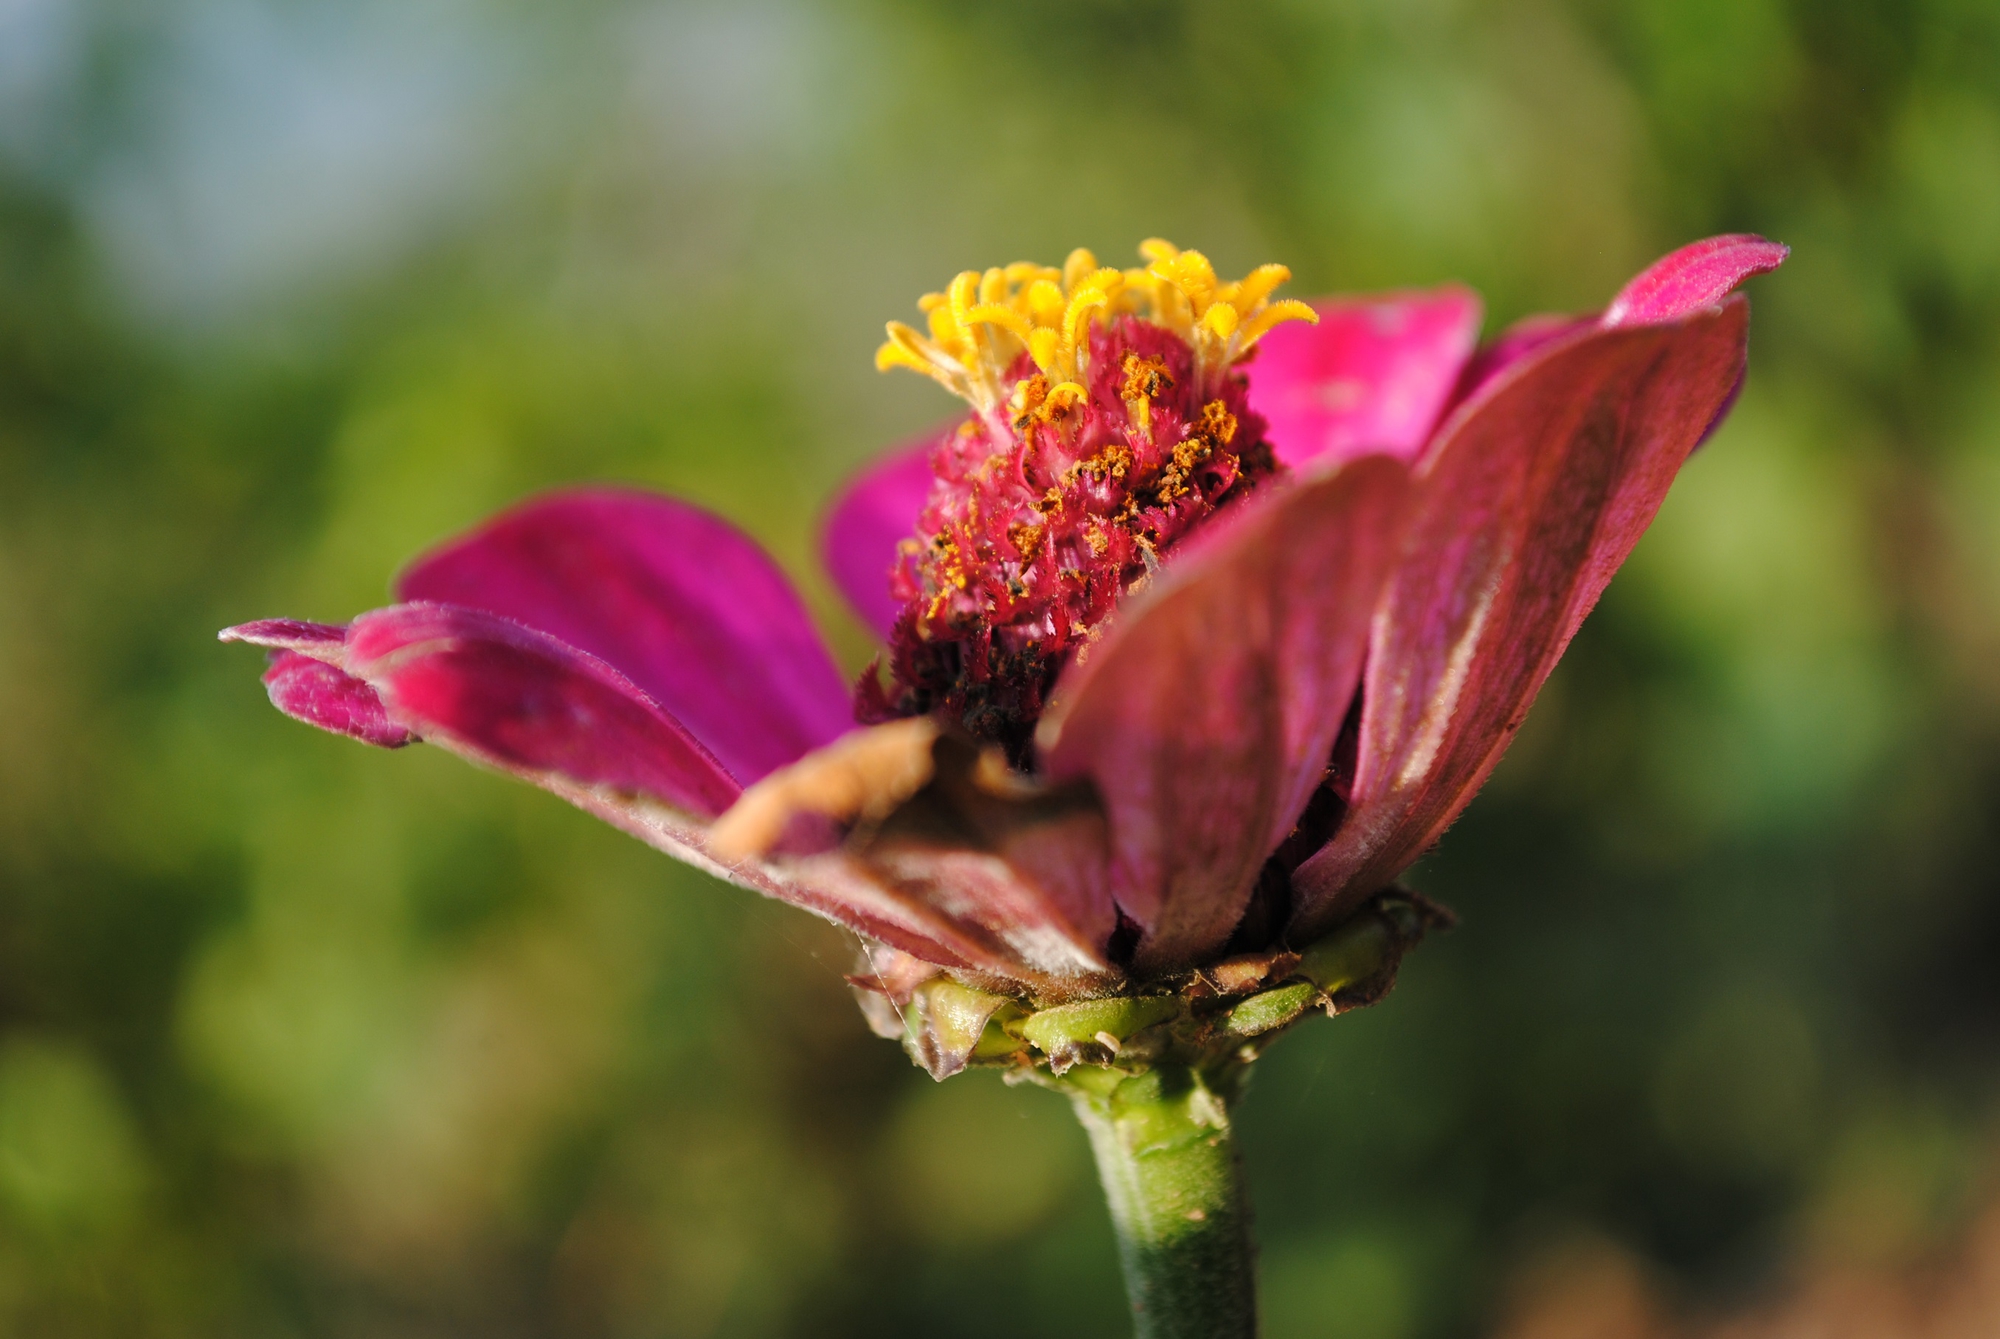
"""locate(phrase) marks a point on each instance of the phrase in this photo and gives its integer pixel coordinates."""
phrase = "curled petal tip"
(1698, 275)
(319, 694)
(288, 634)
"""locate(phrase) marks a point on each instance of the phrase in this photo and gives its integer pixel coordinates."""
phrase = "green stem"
(1175, 1187)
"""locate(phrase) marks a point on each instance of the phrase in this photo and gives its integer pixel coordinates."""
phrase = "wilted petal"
(1524, 510)
(1024, 862)
(321, 694)
(834, 886)
(874, 513)
(859, 778)
(522, 701)
(947, 924)
(1018, 870)
(1698, 275)
(678, 601)
(1373, 375)
(1207, 714)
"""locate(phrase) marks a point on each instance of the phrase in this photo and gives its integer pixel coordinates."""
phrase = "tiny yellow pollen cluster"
(982, 323)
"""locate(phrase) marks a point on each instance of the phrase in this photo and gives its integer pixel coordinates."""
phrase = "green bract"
(1213, 1019)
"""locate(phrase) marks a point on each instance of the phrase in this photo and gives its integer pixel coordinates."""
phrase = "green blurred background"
(299, 1038)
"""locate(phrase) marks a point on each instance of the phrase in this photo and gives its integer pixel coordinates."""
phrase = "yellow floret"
(983, 321)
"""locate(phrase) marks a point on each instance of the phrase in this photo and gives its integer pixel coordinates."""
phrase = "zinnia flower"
(1190, 654)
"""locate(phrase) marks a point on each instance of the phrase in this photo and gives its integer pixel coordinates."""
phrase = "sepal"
(1213, 1021)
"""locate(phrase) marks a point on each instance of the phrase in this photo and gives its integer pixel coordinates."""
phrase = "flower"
(1190, 654)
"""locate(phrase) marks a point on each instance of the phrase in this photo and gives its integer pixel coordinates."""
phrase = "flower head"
(1107, 425)
(1189, 657)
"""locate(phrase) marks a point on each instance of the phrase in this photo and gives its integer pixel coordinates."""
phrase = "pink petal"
(523, 702)
(1516, 342)
(835, 886)
(1531, 499)
(323, 640)
(683, 604)
(1207, 715)
(1023, 865)
(1698, 275)
(320, 694)
(1373, 375)
(991, 902)
(875, 513)
(1017, 869)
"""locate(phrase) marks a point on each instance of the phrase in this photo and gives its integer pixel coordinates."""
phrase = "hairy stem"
(1175, 1185)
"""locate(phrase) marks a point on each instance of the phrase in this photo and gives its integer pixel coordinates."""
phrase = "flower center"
(1108, 423)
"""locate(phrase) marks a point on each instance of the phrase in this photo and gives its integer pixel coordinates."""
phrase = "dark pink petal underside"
(522, 701)
(1003, 908)
(874, 513)
(834, 886)
(320, 694)
(1698, 275)
(1525, 509)
(519, 701)
(1514, 343)
(1373, 375)
(676, 600)
(1207, 715)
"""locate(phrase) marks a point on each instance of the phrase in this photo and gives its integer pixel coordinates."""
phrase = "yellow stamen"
(985, 320)
(1258, 285)
(1046, 302)
(992, 313)
(1079, 265)
(1276, 314)
(1042, 347)
(1191, 273)
(1071, 393)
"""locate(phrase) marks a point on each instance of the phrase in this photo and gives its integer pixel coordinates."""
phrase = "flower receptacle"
(1212, 1021)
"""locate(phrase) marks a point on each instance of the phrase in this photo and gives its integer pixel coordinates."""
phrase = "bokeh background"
(299, 1038)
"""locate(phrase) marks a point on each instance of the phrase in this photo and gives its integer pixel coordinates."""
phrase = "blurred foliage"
(298, 1038)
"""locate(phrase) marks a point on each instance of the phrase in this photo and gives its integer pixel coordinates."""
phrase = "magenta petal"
(1373, 375)
(1516, 342)
(521, 701)
(320, 694)
(1698, 275)
(1207, 715)
(681, 603)
(875, 513)
(834, 885)
(999, 914)
(1529, 503)
(1020, 864)
(1013, 874)
(290, 634)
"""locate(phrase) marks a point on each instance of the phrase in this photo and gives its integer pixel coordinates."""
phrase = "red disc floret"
(1048, 510)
